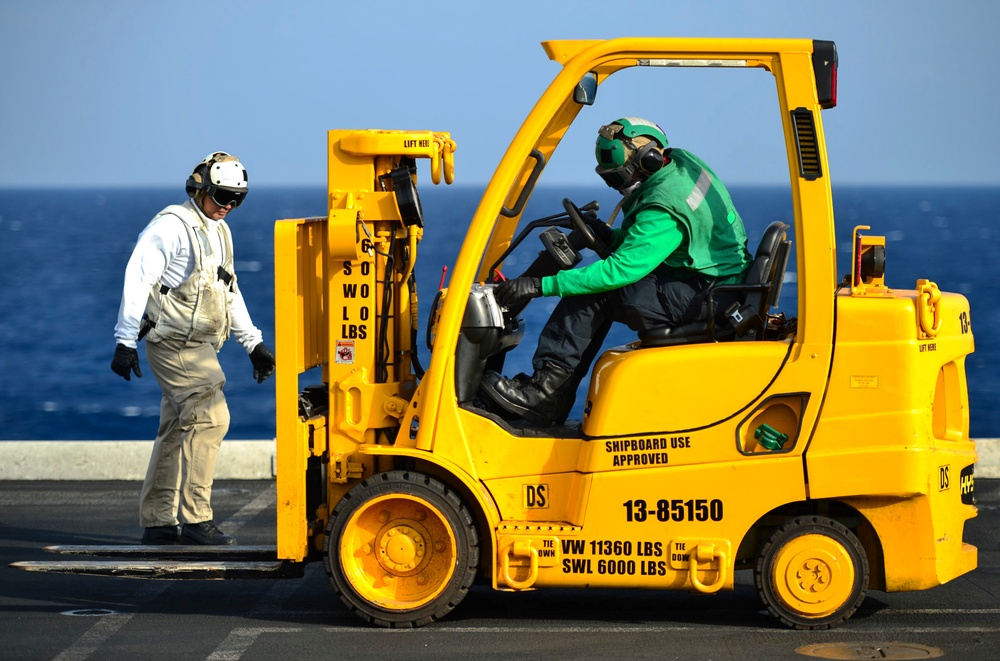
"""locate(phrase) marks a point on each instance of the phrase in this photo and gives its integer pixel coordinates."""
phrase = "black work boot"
(160, 535)
(544, 400)
(205, 533)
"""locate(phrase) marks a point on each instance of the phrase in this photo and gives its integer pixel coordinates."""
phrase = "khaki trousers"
(194, 419)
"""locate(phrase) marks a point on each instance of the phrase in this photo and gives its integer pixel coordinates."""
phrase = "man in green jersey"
(680, 235)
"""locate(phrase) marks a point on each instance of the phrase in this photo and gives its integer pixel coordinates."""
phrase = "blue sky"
(108, 94)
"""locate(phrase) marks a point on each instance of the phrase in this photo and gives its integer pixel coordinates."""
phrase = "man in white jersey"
(181, 294)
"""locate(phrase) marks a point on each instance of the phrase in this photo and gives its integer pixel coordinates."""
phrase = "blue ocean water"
(63, 252)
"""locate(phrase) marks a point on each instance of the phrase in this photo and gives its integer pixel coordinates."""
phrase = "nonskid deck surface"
(45, 615)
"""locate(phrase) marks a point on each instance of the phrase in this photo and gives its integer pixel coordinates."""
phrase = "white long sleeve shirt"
(163, 253)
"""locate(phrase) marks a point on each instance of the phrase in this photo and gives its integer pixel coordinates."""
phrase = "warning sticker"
(865, 382)
(345, 352)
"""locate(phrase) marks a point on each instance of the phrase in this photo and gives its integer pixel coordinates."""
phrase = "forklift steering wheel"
(584, 230)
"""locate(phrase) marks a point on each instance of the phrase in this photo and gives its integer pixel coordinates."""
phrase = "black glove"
(516, 292)
(263, 362)
(125, 362)
(601, 231)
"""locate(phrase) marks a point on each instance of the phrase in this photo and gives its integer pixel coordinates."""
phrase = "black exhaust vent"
(806, 144)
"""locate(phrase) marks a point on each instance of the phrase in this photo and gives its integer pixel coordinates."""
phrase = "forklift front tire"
(402, 549)
(812, 573)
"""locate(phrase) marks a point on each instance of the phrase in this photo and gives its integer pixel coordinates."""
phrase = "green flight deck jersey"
(681, 217)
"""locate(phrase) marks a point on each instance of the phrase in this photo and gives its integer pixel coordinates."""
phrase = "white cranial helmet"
(216, 171)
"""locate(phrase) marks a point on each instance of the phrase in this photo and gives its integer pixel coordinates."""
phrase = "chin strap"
(614, 212)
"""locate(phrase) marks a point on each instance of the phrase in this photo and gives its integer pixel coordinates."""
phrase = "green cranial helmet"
(614, 141)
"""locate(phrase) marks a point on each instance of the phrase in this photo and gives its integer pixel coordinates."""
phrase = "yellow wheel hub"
(398, 551)
(402, 548)
(813, 575)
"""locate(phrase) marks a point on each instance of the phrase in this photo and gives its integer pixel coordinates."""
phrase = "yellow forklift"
(838, 461)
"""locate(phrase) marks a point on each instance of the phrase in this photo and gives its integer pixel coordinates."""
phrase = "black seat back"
(768, 268)
(759, 291)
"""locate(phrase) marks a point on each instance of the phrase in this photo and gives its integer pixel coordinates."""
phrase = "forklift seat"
(744, 320)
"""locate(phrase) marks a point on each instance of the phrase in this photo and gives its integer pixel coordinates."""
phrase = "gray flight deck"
(65, 617)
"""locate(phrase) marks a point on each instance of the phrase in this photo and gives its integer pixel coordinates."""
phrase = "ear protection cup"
(648, 159)
(194, 182)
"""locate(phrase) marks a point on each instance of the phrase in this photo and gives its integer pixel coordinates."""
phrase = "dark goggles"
(225, 197)
(618, 178)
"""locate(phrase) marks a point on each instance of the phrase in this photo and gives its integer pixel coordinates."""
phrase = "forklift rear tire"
(401, 549)
(812, 573)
